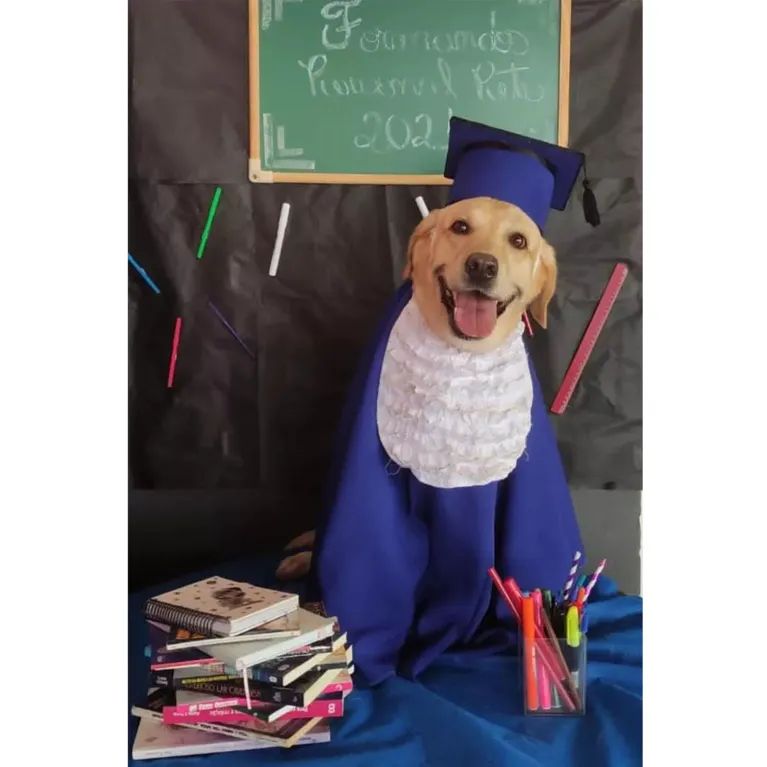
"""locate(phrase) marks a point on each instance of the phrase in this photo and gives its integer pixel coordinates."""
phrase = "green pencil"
(209, 222)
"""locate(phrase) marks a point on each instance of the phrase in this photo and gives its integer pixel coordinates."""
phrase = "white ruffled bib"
(454, 418)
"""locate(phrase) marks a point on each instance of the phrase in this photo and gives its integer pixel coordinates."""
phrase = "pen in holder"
(553, 676)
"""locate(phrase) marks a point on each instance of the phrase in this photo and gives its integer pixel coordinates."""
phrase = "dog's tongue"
(474, 315)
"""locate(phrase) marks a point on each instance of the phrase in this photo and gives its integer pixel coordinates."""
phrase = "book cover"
(155, 740)
(175, 638)
(300, 693)
(160, 659)
(285, 734)
(200, 706)
(313, 629)
(285, 671)
(231, 685)
(218, 606)
(325, 707)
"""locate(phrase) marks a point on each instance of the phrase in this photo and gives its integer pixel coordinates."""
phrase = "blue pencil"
(141, 271)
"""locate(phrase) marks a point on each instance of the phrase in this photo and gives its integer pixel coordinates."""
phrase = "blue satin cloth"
(465, 710)
(404, 566)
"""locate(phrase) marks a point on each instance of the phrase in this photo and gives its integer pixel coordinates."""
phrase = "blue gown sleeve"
(370, 551)
(540, 528)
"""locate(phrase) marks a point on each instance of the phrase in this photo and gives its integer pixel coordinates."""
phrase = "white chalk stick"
(281, 228)
(422, 206)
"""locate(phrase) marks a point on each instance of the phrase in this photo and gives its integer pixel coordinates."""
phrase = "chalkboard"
(362, 91)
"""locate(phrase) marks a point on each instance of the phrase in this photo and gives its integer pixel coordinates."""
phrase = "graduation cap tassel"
(590, 209)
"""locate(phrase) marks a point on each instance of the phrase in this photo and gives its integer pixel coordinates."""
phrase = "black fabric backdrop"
(266, 425)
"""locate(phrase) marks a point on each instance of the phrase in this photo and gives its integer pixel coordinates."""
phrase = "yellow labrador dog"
(477, 266)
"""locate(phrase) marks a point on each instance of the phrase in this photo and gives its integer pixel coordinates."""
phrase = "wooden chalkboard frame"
(259, 176)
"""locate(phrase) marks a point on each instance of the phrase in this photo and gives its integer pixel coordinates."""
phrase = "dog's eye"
(518, 241)
(460, 227)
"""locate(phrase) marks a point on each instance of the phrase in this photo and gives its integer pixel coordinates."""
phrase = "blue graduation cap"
(533, 175)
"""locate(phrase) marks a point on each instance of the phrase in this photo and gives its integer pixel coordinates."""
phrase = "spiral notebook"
(219, 607)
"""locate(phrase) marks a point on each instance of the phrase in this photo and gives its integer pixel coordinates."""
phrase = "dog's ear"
(424, 229)
(546, 281)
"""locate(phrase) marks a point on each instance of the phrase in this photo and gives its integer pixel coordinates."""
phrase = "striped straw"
(594, 577)
(571, 576)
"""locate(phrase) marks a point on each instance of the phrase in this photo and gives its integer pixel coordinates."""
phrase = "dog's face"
(476, 266)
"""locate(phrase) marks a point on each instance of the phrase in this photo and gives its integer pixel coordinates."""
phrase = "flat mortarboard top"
(533, 175)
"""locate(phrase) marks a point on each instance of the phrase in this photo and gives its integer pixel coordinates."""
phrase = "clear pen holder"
(553, 676)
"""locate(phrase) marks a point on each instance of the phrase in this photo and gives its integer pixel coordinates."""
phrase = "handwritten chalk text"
(337, 39)
(394, 133)
(503, 41)
(490, 83)
(388, 87)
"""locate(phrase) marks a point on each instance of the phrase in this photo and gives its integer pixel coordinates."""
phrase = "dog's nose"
(481, 268)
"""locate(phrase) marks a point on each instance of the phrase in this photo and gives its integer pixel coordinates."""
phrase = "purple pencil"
(594, 577)
(571, 576)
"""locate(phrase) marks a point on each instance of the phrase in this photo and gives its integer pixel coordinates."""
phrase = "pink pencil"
(544, 683)
(174, 352)
(594, 577)
(527, 323)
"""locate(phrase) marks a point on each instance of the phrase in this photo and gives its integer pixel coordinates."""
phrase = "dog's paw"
(294, 567)
(303, 540)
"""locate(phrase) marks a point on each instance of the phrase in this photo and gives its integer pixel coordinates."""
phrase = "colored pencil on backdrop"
(237, 338)
(209, 222)
(528, 325)
(140, 269)
(174, 352)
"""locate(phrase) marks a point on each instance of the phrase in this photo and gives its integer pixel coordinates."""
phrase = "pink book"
(326, 709)
(342, 683)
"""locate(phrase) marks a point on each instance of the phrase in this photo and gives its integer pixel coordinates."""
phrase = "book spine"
(235, 688)
(309, 649)
(223, 716)
(329, 708)
(266, 676)
(263, 655)
(227, 715)
(233, 731)
(192, 620)
(209, 665)
(210, 705)
(169, 680)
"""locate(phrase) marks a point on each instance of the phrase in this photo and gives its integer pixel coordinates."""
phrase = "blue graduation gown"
(403, 566)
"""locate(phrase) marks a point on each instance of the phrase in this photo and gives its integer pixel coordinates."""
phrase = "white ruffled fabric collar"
(454, 418)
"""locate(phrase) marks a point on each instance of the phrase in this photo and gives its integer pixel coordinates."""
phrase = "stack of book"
(236, 667)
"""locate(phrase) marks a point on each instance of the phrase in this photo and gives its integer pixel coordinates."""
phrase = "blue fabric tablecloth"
(465, 711)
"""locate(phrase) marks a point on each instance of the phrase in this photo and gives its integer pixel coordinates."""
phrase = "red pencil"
(174, 352)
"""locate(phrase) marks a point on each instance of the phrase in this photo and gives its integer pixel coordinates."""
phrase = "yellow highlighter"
(573, 636)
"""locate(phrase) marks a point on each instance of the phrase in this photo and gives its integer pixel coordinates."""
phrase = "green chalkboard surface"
(362, 91)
